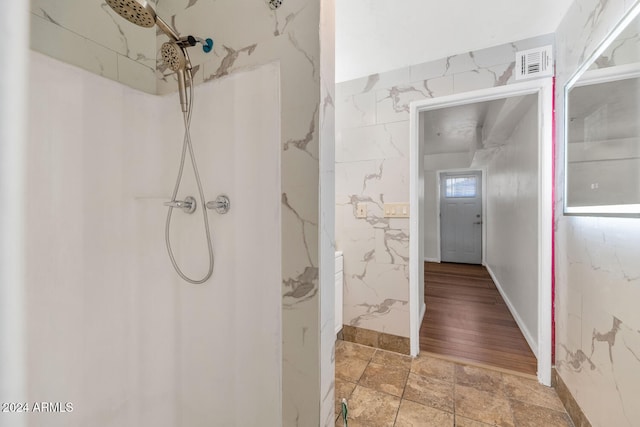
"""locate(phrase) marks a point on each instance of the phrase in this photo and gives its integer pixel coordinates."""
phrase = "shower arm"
(167, 29)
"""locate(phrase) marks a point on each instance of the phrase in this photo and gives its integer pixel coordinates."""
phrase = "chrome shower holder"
(190, 41)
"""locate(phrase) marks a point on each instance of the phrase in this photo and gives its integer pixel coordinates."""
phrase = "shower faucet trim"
(221, 204)
(188, 205)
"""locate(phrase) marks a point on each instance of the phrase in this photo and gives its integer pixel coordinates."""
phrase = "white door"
(461, 217)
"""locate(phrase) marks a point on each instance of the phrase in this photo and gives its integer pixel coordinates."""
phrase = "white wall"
(327, 241)
(512, 221)
(110, 326)
(14, 36)
(374, 36)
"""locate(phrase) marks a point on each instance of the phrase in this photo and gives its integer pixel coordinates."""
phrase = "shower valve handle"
(221, 204)
(188, 205)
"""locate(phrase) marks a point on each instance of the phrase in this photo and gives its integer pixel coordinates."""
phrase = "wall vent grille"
(536, 62)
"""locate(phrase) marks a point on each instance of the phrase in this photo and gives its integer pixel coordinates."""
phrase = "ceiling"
(471, 127)
(373, 36)
(454, 129)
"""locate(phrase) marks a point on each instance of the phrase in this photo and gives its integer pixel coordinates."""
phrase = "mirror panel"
(602, 148)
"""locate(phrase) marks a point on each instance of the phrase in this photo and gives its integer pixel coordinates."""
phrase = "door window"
(460, 186)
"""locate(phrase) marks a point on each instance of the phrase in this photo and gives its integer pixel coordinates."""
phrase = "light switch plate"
(361, 210)
(396, 210)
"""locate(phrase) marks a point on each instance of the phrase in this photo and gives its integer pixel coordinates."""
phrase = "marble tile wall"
(246, 34)
(625, 49)
(88, 34)
(372, 167)
(597, 270)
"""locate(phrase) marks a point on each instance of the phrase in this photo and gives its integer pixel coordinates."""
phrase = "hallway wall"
(512, 221)
(597, 269)
(372, 167)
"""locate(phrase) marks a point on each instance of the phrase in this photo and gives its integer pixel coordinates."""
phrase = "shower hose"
(186, 145)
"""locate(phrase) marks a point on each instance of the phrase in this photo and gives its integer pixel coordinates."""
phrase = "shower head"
(173, 56)
(139, 12)
(134, 11)
(176, 60)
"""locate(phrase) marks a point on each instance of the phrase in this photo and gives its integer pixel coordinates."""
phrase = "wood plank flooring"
(467, 319)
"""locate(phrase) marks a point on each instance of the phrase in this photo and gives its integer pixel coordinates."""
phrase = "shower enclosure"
(113, 329)
(97, 316)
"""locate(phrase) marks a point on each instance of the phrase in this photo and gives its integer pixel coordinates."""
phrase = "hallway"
(466, 319)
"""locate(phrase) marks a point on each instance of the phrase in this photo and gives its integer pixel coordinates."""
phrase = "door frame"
(543, 88)
(483, 183)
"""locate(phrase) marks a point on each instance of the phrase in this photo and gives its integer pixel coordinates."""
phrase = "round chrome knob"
(221, 204)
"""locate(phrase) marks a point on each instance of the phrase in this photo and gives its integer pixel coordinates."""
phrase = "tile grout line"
(508, 397)
(406, 381)
(513, 415)
(365, 368)
(455, 376)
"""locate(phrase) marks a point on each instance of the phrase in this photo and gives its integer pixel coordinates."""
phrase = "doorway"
(461, 217)
(534, 319)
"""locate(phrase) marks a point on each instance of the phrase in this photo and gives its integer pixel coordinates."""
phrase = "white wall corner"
(533, 343)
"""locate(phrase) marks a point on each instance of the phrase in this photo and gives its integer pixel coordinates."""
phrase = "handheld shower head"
(139, 12)
(174, 57)
(134, 11)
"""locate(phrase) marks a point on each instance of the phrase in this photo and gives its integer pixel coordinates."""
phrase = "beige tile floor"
(390, 389)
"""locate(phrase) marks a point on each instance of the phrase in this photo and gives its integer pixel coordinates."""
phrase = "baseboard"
(431, 259)
(376, 339)
(533, 344)
(573, 409)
